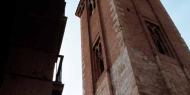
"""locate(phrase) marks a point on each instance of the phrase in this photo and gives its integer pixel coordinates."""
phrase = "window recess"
(91, 6)
(159, 39)
(98, 60)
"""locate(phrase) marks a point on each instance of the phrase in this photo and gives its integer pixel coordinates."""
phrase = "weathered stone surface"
(122, 76)
(175, 77)
(103, 85)
(33, 35)
(148, 75)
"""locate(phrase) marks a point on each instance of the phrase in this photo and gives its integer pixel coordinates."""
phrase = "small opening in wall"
(98, 60)
(128, 9)
(91, 6)
(159, 39)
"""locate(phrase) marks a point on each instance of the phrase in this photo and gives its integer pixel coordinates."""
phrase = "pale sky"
(179, 11)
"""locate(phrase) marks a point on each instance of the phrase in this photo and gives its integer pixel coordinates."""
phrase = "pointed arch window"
(98, 62)
(159, 39)
(91, 6)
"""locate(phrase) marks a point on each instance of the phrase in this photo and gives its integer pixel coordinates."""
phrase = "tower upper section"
(131, 47)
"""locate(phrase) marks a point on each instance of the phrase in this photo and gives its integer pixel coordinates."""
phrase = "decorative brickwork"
(140, 57)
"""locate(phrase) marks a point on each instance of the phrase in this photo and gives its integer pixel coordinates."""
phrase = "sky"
(179, 11)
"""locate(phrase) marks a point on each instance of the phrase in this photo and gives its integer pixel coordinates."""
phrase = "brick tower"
(131, 47)
(34, 32)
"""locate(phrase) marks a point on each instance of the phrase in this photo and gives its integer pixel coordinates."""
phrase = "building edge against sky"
(178, 13)
(115, 59)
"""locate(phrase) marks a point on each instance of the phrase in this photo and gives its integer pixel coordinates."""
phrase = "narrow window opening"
(159, 39)
(92, 6)
(128, 9)
(100, 58)
(98, 63)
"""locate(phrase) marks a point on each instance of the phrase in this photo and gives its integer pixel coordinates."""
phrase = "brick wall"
(15, 85)
(134, 66)
(164, 77)
(103, 85)
(86, 57)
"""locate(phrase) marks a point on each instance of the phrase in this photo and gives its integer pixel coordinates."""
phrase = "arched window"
(159, 39)
(98, 60)
(91, 6)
